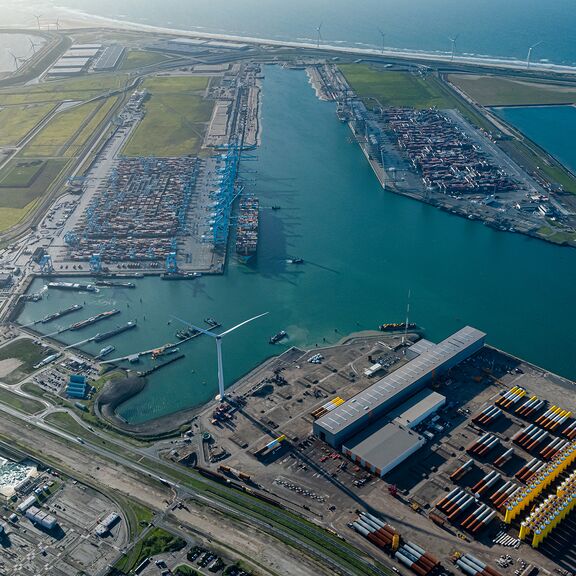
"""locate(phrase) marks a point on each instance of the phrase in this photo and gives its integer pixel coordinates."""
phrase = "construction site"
(435, 454)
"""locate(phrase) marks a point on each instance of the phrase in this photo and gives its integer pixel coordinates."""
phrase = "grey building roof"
(381, 445)
(401, 379)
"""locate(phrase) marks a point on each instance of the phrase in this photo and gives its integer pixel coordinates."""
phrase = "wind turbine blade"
(222, 334)
(207, 332)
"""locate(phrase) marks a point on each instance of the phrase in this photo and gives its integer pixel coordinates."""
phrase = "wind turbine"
(38, 21)
(318, 35)
(32, 45)
(383, 35)
(218, 338)
(57, 23)
(15, 58)
(530, 53)
(453, 40)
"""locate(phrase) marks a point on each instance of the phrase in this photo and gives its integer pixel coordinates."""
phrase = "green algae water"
(364, 248)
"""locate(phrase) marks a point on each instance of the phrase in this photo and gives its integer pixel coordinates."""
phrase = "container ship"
(247, 229)
(116, 331)
(93, 319)
(64, 312)
(72, 286)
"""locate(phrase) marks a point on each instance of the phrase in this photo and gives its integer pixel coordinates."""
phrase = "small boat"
(277, 337)
(296, 261)
(105, 351)
(212, 323)
(276, 207)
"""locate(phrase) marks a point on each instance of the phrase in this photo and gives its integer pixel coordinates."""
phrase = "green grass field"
(20, 197)
(393, 88)
(20, 402)
(17, 121)
(175, 120)
(139, 58)
(21, 173)
(27, 352)
(92, 126)
(155, 542)
(505, 91)
(60, 131)
(58, 90)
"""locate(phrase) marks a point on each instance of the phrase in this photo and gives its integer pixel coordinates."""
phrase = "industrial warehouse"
(342, 422)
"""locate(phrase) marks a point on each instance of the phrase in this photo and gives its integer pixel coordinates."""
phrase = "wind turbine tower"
(218, 338)
(530, 54)
(453, 40)
(318, 35)
(383, 37)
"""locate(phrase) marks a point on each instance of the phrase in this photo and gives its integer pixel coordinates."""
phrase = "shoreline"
(78, 20)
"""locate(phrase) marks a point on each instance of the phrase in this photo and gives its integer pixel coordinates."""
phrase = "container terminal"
(445, 457)
(439, 157)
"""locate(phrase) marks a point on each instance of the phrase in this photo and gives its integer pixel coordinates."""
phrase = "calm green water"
(364, 248)
(552, 127)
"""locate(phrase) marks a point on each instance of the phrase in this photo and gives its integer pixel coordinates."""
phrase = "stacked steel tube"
(530, 408)
(487, 416)
(570, 430)
(550, 513)
(328, 407)
(376, 531)
(416, 558)
(479, 519)
(510, 398)
(464, 469)
(553, 418)
(503, 458)
(482, 446)
(529, 469)
(489, 480)
(455, 502)
(503, 493)
(540, 481)
(473, 567)
(553, 447)
(530, 437)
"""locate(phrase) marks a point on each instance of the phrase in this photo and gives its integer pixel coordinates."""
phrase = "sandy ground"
(9, 365)
(250, 544)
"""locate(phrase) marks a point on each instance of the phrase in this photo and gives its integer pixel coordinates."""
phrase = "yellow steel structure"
(550, 513)
(540, 482)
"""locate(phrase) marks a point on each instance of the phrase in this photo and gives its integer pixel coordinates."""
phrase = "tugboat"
(277, 337)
